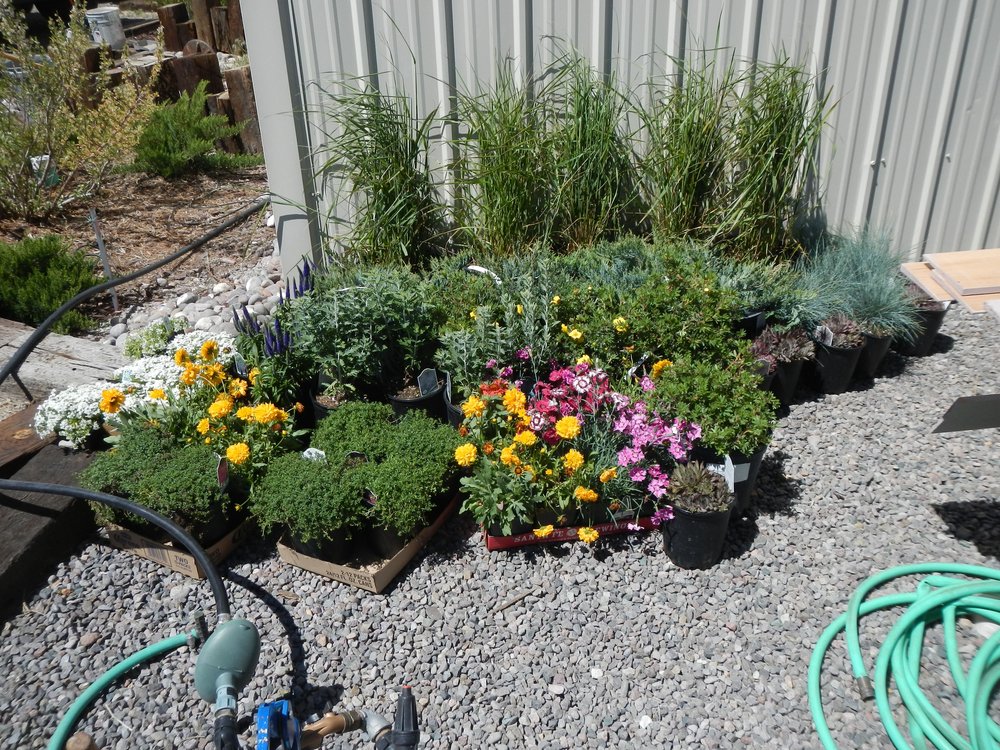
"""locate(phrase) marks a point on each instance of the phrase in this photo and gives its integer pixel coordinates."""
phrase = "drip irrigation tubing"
(940, 597)
(11, 367)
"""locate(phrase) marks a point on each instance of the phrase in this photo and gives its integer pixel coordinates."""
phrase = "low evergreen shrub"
(37, 275)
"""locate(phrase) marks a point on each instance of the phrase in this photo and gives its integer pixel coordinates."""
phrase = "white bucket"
(106, 27)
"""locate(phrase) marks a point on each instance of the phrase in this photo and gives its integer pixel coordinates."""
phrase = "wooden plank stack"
(972, 277)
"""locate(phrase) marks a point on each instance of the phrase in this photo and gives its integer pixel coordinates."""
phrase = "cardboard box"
(171, 555)
(562, 534)
(374, 580)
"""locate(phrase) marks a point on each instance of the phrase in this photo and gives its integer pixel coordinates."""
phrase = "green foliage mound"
(39, 275)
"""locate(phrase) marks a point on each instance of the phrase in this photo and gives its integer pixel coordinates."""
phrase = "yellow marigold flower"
(583, 360)
(209, 351)
(299, 407)
(111, 400)
(208, 441)
(526, 437)
(473, 407)
(221, 407)
(508, 456)
(543, 531)
(253, 375)
(190, 374)
(465, 455)
(181, 357)
(237, 387)
(157, 394)
(660, 366)
(585, 495)
(245, 413)
(608, 474)
(514, 401)
(587, 534)
(213, 374)
(620, 324)
(203, 426)
(575, 333)
(520, 310)
(573, 460)
(548, 472)
(268, 413)
(568, 427)
(555, 300)
(238, 453)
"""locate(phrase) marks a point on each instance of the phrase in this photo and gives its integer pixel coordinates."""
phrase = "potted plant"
(839, 342)
(789, 348)
(404, 466)
(735, 415)
(318, 505)
(930, 316)
(701, 504)
(184, 481)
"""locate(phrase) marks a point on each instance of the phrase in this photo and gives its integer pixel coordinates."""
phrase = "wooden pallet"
(972, 302)
(921, 274)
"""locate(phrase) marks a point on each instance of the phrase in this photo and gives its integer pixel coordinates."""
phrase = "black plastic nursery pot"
(694, 540)
(751, 324)
(834, 367)
(745, 470)
(786, 380)
(432, 402)
(874, 351)
(337, 549)
(385, 542)
(930, 324)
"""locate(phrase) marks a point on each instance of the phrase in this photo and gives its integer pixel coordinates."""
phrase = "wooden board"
(18, 437)
(920, 274)
(973, 302)
(969, 271)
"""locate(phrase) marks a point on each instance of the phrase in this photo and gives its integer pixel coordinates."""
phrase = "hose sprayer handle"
(331, 723)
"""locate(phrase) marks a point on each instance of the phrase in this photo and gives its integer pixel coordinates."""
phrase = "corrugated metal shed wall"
(911, 146)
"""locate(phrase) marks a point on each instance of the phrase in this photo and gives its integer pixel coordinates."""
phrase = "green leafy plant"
(376, 160)
(846, 334)
(180, 138)
(724, 398)
(61, 128)
(152, 339)
(37, 275)
(152, 469)
(312, 498)
(784, 346)
(507, 171)
(695, 489)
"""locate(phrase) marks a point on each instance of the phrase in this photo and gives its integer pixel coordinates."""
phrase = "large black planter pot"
(786, 380)
(386, 543)
(694, 540)
(834, 367)
(930, 324)
(766, 374)
(745, 470)
(452, 410)
(876, 347)
(432, 402)
(338, 549)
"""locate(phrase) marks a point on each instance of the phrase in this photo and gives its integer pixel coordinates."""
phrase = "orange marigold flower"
(514, 401)
(585, 495)
(508, 457)
(213, 374)
(221, 407)
(494, 388)
(488, 448)
(190, 374)
(463, 430)
(181, 357)
(299, 407)
(608, 474)
(237, 387)
(253, 375)
(659, 367)
(111, 400)
(238, 453)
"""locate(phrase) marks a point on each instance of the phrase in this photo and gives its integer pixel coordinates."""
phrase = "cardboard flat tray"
(174, 557)
(562, 534)
(372, 578)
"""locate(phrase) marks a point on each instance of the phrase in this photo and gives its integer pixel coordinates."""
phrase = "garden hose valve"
(864, 686)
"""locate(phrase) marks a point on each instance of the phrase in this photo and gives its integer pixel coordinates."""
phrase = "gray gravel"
(611, 648)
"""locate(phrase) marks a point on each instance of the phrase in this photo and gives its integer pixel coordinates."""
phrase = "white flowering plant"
(73, 414)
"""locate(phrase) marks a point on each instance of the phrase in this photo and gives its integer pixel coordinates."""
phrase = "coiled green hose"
(938, 598)
(102, 683)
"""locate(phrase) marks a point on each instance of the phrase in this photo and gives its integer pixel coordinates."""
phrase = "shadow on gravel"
(774, 494)
(976, 521)
(306, 698)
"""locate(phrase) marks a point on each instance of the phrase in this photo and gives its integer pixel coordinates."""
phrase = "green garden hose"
(938, 598)
(81, 704)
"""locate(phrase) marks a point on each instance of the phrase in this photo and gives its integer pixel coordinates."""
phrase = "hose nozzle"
(864, 686)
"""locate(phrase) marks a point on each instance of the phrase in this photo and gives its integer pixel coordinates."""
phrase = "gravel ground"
(611, 647)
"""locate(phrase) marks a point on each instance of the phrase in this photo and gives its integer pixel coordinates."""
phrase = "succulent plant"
(846, 333)
(695, 489)
(784, 346)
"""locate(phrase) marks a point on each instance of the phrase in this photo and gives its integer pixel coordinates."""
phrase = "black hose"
(171, 528)
(17, 359)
